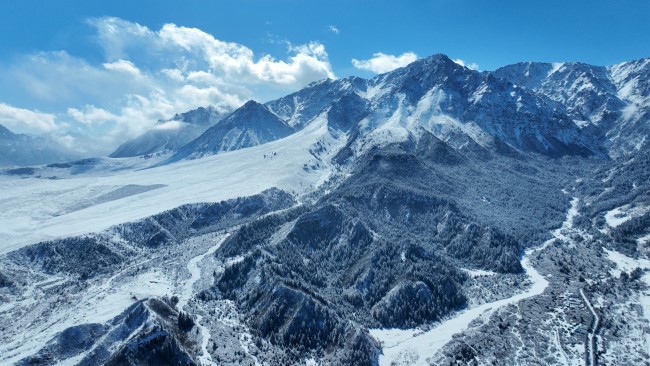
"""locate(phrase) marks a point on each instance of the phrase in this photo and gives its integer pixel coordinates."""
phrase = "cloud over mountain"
(381, 62)
(146, 75)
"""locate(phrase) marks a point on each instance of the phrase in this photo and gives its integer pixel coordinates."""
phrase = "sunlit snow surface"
(622, 214)
(34, 210)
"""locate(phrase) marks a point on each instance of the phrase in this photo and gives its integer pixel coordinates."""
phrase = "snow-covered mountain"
(430, 215)
(458, 105)
(24, 150)
(250, 125)
(632, 80)
(610, 103)
(172, 134)
(587, 91)
(465, 108)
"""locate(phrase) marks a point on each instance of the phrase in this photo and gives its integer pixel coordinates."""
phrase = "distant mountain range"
(549, 108)
(172, 134)
(552, 109)
(611, 103)
(21, 149)
(250, 125)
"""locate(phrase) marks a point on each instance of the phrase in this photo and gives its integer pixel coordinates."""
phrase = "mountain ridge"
(515, 106)
(171, 134)
(250, 125)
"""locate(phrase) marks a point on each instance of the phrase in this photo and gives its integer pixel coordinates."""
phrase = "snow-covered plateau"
(37, 209)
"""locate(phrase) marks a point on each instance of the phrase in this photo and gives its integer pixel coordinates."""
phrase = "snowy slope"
(302, 106)
(586, 91)
(632, 80)
(612, 102)
(462, 106)
(33, 210)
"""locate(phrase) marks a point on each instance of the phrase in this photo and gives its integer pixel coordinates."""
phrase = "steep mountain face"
(458, 105)
(146, 333)
(299, 108)
(172, 134)
(462, 106)
(632, 80)
(586, 91)
(23, 150)
(250, 125)
(610, 103)
(202, 116)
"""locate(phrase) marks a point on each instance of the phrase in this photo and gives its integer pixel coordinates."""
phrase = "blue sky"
(106, 71)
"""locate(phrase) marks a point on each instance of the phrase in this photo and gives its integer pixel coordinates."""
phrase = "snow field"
(34, 210)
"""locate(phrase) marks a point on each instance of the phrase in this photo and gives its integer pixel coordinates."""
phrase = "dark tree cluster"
(171, 227)
(84, 256)
(185, 321)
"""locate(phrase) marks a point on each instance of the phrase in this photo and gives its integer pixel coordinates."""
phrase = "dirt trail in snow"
(592, 335)
(413, 346)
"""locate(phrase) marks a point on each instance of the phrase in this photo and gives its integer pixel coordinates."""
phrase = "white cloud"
(116, 35)
(334, 29)
(173, 74)
(148, 75)
(169, 125)
(66, 140)
(191, 50)
(381, 62)
(57, 80)
(124, 66)
(90, 114)
(21, 120)
(471, 66)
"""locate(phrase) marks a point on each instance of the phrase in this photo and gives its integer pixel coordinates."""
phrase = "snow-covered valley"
(416, 347)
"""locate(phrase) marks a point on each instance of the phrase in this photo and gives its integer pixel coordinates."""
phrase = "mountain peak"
(436, 67)
(440, 60)
(5, 132)
(250, 125)
(252, 104)
(438, 57)
(251, 111)
(205, 116)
